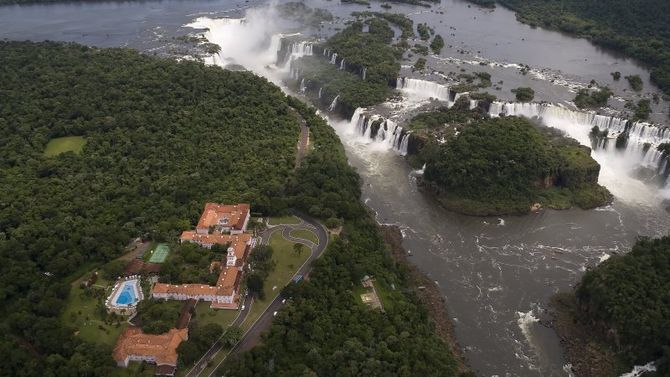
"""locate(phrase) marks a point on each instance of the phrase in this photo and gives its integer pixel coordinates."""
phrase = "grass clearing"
(205, 315)
(288, 262)
(305, 235)
(83, 311)
(387, 295)
(64, 144)
(284, 220)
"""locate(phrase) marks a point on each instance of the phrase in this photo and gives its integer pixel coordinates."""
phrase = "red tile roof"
(162, 347)
(214, 212)
(238, 242)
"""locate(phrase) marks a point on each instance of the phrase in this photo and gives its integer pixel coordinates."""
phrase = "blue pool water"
(126, 296)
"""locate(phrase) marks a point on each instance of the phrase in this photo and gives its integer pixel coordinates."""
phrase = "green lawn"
(82, 312)
(288, 263)
(205, 315)
(305, 234)
(64, 144)
(284, 220)
(387, 295)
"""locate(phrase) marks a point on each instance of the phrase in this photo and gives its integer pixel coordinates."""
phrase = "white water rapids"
(493, 281)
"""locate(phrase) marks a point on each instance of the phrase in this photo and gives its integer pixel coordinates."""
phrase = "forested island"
(149, 141)
(358, 65)
(483, 166)
(618, 315)
(635, 27)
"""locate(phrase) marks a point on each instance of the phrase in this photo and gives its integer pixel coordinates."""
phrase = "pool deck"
(111, 302)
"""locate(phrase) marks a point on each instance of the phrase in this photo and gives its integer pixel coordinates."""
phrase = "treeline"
(324, 329)
(638, 28)
(625, 302)
(504, 165)
(162, 138)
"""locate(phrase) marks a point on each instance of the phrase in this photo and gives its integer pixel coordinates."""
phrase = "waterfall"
(640, 148)
(473, 104)
(639, 132)
(303, 87)
(301, 48)
(389, 136)
(365, 73)
(333, 104)
(342, 65)
(639, 370)
(320, 89)
(333, 58)
(288, 54)
(422, 89)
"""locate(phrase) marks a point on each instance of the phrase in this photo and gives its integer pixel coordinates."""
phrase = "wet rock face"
(416, 143)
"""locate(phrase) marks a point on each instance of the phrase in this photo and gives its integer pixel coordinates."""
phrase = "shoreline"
(582, 347)
(428, 294)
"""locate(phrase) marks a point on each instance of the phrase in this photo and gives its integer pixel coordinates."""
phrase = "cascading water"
(301, 48)
(333, 58)
(387, 135)
(365, 73)
(642, 138)
(333, 104)
(638, 150)
(320, 90)
(342, 65)
(303, 87)
(481, 291)
(422, 90)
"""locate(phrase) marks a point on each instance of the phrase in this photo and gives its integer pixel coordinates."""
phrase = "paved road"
(253, 335)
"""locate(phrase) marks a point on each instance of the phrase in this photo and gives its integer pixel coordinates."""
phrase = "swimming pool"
(126, 296)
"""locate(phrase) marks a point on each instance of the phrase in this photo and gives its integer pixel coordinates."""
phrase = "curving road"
(253, 336)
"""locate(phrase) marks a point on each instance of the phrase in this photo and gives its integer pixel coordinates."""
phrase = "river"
(497, 274)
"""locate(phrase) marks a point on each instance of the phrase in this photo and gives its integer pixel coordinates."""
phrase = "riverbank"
(428, 294)
(582, 347)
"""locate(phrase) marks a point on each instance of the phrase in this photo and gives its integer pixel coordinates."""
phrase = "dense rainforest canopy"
(161, 138)
(637, 27)
(626, 300)
(503, 165)
(325, 330)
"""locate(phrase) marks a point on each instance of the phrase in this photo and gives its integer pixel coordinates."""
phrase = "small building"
(224, 218)
(161, 350)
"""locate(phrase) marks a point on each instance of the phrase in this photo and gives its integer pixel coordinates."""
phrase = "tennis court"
(159, 254)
